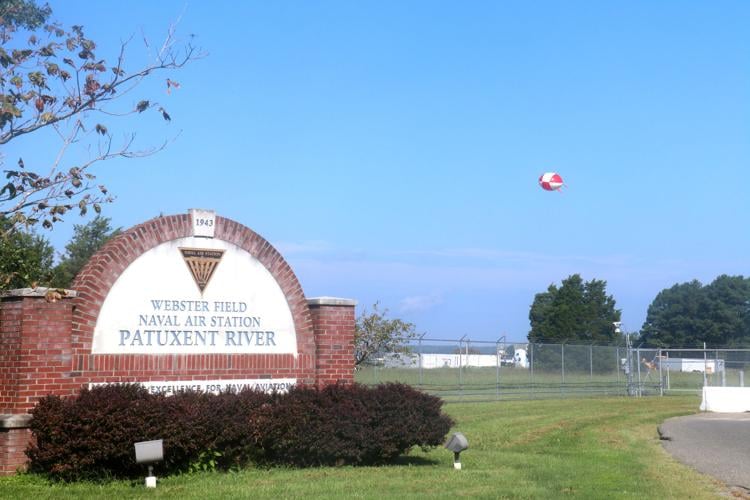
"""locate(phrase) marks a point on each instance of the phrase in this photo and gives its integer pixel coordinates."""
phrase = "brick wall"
(14, 438)
(10, 344)
(38, 361)
(101, 272)
(46, 346)
(333, 323)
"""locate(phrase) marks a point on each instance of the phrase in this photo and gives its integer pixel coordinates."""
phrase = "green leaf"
(11, 189)
(47, 51)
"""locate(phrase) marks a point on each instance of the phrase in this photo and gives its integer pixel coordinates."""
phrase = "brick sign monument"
(181, 302)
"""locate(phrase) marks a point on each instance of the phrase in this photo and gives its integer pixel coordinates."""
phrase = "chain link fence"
(468, 370)
(692, 369)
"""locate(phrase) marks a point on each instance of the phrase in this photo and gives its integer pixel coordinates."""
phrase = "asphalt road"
(717, 444)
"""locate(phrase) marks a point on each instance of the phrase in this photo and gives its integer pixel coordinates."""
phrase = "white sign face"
(204, 222)
(169, 388)
(195, 296)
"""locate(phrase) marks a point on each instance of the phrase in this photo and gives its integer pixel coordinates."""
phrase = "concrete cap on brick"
(40, 291)
(17, 421)
(331, 301)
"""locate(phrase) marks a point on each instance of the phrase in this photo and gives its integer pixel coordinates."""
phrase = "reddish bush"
(92, 435)
(351, 424)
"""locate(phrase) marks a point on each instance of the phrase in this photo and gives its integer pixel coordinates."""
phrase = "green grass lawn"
(486, 383)
(583, 448)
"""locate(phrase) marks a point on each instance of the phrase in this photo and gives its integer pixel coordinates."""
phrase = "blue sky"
(391, 150)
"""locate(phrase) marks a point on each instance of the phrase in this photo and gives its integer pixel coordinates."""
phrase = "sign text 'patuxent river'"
(198, 323)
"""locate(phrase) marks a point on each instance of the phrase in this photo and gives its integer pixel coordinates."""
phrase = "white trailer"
(689, 365)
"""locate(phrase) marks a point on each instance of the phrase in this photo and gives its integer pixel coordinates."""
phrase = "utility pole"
(628, 359)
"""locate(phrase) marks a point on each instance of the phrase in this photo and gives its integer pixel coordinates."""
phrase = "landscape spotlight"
(457, 443)
(148, 452)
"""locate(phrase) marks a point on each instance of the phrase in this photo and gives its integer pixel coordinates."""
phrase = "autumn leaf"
(172, 84)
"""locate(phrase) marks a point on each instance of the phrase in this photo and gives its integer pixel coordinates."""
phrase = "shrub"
(351, 424)
(91, 436)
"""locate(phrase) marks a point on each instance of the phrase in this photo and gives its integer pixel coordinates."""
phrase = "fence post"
(669, 369)
(705, 366)
(742, 377)
(661, 378)
(562, 357)
(591, 362)
(638, 360)
(531, 369)
(499, 363)
(617, 363)
(629, 365)
(421, 359)
(460, 369)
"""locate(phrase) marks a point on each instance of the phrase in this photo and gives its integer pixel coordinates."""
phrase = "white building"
(454, 360)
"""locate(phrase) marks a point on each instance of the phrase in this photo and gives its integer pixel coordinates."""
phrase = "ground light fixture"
(148, 452)
(457, 443)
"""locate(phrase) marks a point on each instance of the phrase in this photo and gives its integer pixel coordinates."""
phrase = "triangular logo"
(202, 263)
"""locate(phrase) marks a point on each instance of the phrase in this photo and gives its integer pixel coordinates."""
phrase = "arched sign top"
(191, 284)
(195, 296)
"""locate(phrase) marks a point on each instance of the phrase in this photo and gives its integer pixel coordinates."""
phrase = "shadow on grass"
(413, 461)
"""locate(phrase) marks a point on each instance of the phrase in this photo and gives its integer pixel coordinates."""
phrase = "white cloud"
(419, 303)
(409, 279)
(305, 247)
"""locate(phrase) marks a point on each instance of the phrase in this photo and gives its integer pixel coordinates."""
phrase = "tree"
(376, 334)
(23, 14)
(25, 259)
(688, 314)
(576, 311)
(52, 79)
(87, 239)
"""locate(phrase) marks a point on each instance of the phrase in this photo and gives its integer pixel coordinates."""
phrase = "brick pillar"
(14, 438)
(35, 337)
(11, 314)
(35, 360)
(333, 326)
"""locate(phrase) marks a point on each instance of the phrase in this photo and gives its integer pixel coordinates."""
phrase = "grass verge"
(581, 448)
